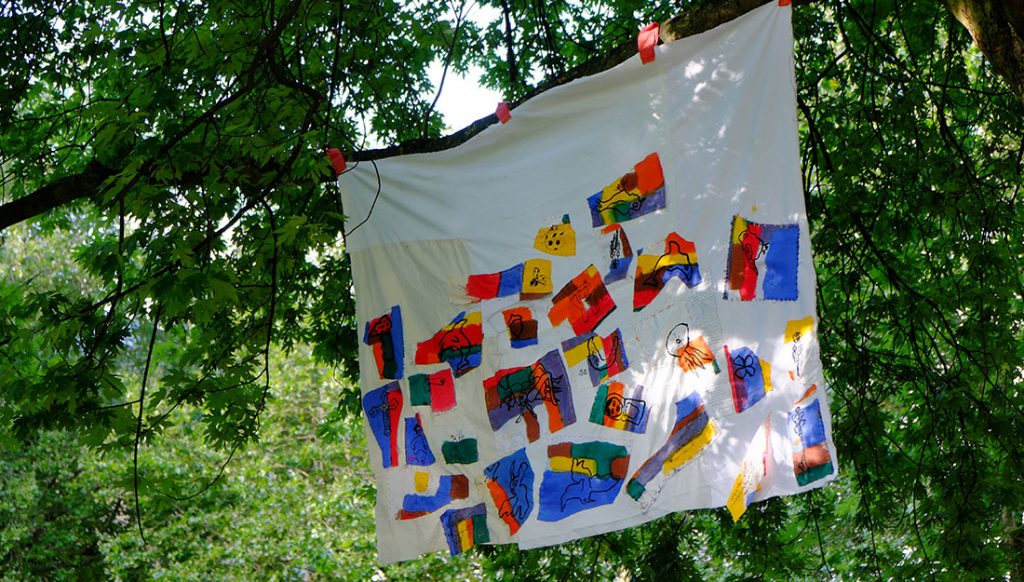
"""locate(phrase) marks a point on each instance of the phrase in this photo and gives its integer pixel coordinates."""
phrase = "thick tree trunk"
(997, 27)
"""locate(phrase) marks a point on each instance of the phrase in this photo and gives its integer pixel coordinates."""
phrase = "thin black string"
(372, 204)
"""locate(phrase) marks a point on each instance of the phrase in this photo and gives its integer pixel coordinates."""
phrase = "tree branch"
(138, 425)
(55, 194)
(997, 27)
(88, 182)
(679, 26)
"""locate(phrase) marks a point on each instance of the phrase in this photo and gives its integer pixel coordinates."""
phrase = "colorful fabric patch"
(460, 452)
(417, 449)
(493, 285)
(521, 326)
(510, 481)
(421, 480)
(752, 472)
(383, 408)
(693, 430)
(536, 279)
(557, 239)
(530, 279)
(584, 302)
(621, 408)
(811, 459)
(749, 376)
(762, 253)
(620, 254)
(384, 335)
(635, 194)
(604, 357)
(692, 353)
(515, 393)
(449, 488)
(436, 390)
(458, 344)
(465, 528)
(581, 476)
(798, 328)
(796, 332)
(653, 272)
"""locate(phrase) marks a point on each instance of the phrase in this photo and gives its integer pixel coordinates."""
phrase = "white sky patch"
(463, 100)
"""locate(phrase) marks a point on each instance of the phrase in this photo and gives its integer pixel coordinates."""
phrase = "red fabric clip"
(503, 113)
(646, 41)
(785, 2)
(337, 160)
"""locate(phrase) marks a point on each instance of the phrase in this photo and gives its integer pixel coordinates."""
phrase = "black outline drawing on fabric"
(596, 359)
(654, 278)
(384, 407)
(522, 402)
(679, 345)
(419, 448)
(798, 420)
(743, 364)
(616, 350)
(436, 380)
(798, 352)
(752, 249)
(615, 249)
(524, 395)
(583, 290)
(380, 326)
(516, 327)
(586, 490)
(627, 410)
(553, 238)
(622, 194)
(517, 503)
(455, 346)
(538, 279)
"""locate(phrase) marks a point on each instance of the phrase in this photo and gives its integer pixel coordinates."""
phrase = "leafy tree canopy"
(168, 216)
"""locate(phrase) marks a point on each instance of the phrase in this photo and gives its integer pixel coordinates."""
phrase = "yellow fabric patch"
(737, 502)
(537, 277)
(568, 464)
(557, 239)
(690, 449)
(797, 328)
(422, 481)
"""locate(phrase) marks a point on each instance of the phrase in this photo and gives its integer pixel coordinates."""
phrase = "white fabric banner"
(598, 313)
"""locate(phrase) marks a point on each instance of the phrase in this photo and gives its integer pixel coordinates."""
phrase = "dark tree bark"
(997, 27)
(57, 193)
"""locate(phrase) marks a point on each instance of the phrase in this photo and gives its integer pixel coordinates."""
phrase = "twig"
(444, 72)
(138, 424)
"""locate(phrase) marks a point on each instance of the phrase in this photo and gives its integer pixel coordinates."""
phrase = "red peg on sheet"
(646, 41)
(337, 160)
(503, 113)
(785, 2)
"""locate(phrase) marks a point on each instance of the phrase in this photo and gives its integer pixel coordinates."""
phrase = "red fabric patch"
(503, 113)
(337, 160)
(442, 394)
(646, 41)
(483, 286)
